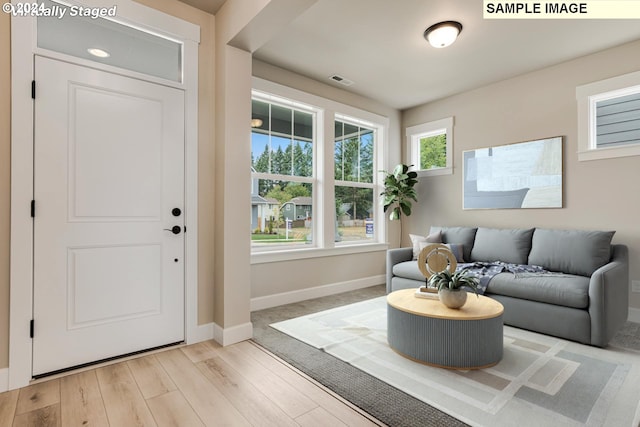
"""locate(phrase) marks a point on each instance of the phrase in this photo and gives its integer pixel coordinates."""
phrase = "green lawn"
(295, 236)
(299, 235)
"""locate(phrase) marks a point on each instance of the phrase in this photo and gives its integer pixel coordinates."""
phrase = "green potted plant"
(450, 286)
(399, 192)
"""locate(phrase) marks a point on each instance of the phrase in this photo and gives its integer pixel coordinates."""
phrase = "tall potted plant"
(399, 192)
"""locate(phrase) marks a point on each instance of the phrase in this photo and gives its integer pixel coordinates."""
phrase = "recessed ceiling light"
(98, 52)
(443, 34)
(256, 123)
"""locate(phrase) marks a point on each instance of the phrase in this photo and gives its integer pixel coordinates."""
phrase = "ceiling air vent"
(339, 79)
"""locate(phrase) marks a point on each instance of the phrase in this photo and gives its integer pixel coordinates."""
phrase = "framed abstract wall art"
(514, 176)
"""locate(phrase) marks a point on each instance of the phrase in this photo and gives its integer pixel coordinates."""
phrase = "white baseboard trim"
(4, 380)
(260, 303)
(634, 315)
(233, 334)
(201, 333)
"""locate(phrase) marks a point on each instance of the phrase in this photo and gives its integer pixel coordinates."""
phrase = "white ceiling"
(378, 44)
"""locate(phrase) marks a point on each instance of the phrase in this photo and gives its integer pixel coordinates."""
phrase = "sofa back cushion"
(571, 251)
(506, 245)
(458, 235)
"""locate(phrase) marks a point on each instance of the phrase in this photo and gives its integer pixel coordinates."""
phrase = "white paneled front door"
(109, 187)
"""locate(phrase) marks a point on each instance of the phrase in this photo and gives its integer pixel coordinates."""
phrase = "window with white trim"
(283, 178)
(429, 147)
(609, 118)
(354, 167)
(312, 189)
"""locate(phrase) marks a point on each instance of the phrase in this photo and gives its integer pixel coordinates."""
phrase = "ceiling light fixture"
(443, 34)
(256, 123)
(98, 52)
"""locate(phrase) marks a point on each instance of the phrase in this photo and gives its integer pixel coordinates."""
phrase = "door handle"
(175, 229)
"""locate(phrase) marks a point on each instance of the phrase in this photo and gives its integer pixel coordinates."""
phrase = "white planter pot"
(453, 298)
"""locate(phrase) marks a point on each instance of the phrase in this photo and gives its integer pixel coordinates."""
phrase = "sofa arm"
(609, 297)
(396, 256)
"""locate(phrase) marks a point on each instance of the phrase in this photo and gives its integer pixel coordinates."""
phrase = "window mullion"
(354, 184)
(326, 178)
(292, 138)
(279, 177)
(359, 164)
(270, 142)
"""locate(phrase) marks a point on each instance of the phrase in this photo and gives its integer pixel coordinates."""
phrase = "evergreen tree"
(278, 162)
(360, 201)
(337, 160)
(287, 161)
(262, 162)
(303, 158)
(351, 155)
(366, 157)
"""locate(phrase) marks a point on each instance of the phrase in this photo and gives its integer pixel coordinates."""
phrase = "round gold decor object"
(436, 258)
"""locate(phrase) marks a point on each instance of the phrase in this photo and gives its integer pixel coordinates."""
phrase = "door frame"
(23, 51)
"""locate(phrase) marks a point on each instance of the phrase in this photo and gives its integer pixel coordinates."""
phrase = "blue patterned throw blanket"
(485, 271)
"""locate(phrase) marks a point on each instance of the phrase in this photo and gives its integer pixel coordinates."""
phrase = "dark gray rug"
(386, 403)
(627, 337)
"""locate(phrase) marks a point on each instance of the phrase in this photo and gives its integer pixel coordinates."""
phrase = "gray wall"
(599, 194)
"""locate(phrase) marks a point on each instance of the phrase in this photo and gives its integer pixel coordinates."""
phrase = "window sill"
(298, 253)
(609, 153)
(434, 172)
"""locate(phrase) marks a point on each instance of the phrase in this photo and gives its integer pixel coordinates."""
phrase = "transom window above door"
(110, 42)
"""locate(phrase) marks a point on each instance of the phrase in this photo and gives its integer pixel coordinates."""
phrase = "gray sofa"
(587, 303)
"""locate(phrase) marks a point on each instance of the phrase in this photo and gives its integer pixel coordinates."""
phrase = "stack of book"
(427, 292)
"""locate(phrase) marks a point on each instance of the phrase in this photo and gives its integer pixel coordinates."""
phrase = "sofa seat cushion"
(566, 290)
(408, 270)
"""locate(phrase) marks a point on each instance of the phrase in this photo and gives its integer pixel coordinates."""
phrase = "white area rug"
(541, 380)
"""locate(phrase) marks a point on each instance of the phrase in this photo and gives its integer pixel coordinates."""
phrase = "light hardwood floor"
(198, 385)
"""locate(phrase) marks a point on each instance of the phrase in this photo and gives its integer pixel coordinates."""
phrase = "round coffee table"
(426, 331)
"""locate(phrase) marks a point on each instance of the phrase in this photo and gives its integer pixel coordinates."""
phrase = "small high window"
(429, 147)
(609, 118)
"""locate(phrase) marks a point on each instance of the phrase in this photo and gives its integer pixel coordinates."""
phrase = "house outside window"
(429, 147)
(609, 118)
(313, 190)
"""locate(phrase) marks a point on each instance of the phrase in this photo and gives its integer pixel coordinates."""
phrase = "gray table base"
(458, 344)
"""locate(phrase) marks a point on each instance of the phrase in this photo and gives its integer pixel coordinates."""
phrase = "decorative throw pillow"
(456, 249)
(416, 240)
(464, 236)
